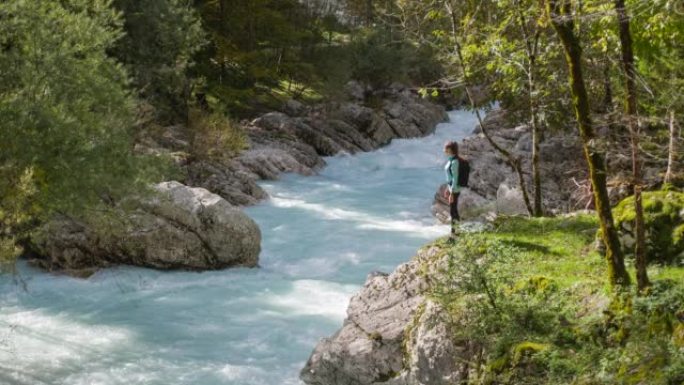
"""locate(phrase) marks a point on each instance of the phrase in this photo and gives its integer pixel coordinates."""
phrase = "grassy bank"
(531, 295)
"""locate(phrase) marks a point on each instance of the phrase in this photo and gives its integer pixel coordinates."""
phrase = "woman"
(453, 189)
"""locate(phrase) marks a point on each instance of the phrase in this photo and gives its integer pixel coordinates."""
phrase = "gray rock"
(393, 334)
(356, 115)
(509, 200)
(355, 90)
(471, 206)
(295, 108)
(368, 347)
(524, 143)
(280, 143)
(178, 227)
(380, 131)
(231, 181)
(434, 358)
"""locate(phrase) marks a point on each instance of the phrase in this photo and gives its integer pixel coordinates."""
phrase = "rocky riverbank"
(196, 223)
(394, 333)
(297, 138)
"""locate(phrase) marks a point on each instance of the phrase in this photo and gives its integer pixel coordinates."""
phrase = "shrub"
(214, 137)
(664, 217)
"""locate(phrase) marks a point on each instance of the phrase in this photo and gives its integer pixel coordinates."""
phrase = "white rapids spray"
(321, 236)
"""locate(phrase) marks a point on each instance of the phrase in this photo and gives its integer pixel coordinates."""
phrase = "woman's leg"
(453, 209)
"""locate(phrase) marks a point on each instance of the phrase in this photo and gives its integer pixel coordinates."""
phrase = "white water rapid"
(321, 236)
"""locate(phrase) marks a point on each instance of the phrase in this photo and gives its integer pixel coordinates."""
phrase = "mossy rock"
(678, 335)
(527, 349)
(664, 217)
(537, 284)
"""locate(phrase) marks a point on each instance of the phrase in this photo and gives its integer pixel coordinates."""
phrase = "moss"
(537, 284)
(498, 365)
(555, 323)
(646, 371)
(526, 349)
(664, 224)
(678, 335)
(408, 334)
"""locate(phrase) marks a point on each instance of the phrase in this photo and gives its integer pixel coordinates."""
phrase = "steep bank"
(522, 304)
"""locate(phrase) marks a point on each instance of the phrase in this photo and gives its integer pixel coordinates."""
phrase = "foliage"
(664, 219)
(257, 46)
(66, 112)
(254, 45)
(161, 37)
(377, 61)
(530, 294)
(215, 137)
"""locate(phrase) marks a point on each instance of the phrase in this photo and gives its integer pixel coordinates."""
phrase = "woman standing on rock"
(453, 189)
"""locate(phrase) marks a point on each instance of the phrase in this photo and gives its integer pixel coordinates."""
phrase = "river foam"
(321, 236)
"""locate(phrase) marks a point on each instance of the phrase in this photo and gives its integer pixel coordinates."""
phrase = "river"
(322, 235)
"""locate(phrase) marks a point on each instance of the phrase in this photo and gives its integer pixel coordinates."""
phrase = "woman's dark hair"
(453, 147)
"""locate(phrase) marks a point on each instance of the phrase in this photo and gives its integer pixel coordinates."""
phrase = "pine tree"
(65, 112)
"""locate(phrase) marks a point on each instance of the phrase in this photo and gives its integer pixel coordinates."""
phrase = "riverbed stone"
(176, 227)
(509, 200)
(393, 334)
(368, 347)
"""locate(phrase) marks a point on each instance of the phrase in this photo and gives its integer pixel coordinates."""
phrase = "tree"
(255, 47)
(364, 10)
(460, 30)
(65, 113)
(560, 16)
(634, 133)
(161, 37)
(520, 61)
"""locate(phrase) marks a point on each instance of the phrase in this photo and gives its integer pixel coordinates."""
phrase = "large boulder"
(509, 200)
(664, 220)
(471, 205)
(393, 334)
(176, 227)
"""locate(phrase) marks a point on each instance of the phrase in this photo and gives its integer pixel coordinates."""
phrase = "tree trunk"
(633, 124)
(559, 14)
(531, 45)
(607, 89)
(672, 149)
(369, 13)
(512, 161)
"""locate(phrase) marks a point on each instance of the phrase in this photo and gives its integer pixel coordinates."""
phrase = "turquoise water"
(322, 235)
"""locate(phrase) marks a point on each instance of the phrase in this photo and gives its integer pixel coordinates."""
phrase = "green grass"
(558, 248)
(535, 294)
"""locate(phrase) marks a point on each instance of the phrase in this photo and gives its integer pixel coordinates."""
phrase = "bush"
(523, 295)
(664, 218)
(215, 137)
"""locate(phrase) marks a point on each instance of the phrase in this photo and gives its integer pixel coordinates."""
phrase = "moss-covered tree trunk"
(672, 149)
(634, 133)
(536, 173)
(562, 21)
